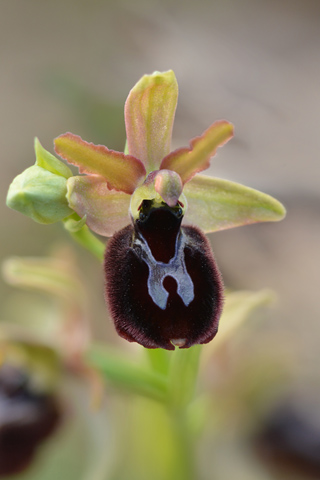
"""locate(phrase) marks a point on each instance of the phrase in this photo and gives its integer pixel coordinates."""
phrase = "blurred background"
(69, 65)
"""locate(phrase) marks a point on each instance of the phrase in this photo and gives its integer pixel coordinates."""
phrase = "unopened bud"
(39, 194)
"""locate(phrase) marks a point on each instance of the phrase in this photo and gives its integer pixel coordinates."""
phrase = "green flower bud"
(39, 194)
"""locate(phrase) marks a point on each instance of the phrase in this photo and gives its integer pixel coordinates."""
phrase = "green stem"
(127, 374)
(185, 445)
(158, 359)
(183, 376)
(154, 442)
(89, 241)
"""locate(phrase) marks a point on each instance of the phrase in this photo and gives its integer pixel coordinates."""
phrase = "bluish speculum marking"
(158, 271)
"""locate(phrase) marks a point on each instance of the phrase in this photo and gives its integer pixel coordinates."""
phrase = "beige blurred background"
(67, 65)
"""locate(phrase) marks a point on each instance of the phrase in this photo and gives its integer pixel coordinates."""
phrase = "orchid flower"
(162, 283)
(163, 286)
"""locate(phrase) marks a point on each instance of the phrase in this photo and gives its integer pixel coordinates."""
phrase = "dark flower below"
(26, 418)
(289, 441)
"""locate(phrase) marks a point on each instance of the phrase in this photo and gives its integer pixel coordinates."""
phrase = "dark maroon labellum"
(163, 286)
(26, 419)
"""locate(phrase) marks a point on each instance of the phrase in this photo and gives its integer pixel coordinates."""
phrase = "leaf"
(106, 210)
(215, 204)
(121, 172)
(149, 116)
(189, 161)
(45, 274)
(238, 309)
(126, 374)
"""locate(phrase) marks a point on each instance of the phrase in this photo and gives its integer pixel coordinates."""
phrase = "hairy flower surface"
(163, 286)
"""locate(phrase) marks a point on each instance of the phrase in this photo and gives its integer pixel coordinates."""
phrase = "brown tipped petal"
(121, 172)
(189, 161)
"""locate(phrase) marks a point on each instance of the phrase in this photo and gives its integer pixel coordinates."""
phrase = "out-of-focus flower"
(28, 415)
(288, 439)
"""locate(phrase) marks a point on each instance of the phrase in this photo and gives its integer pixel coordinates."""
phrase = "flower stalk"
(87, 240)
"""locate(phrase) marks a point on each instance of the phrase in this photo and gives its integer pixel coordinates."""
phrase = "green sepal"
(215, 204)
(149, 115)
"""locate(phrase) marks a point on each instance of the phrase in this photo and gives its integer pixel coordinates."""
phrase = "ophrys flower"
(162, 284)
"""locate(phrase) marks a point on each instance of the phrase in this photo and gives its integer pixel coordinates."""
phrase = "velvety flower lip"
(163, 304)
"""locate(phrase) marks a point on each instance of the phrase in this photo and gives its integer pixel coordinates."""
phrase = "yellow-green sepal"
(215, 204)
(149, 116)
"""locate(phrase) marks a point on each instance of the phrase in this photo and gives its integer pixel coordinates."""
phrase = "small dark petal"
(26, 418)
(136, 316)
